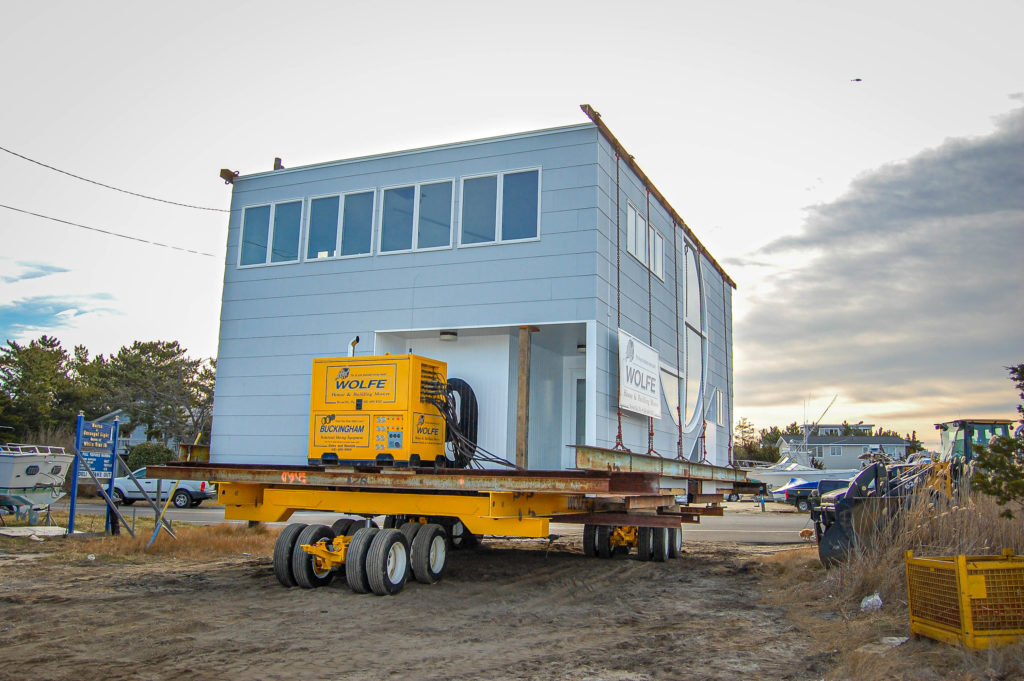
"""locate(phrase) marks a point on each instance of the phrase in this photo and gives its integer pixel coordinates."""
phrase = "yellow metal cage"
(976, 601)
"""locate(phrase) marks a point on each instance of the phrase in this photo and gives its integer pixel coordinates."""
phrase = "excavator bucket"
(835, 544)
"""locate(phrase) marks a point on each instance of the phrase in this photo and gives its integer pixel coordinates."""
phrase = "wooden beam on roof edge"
(628, 158)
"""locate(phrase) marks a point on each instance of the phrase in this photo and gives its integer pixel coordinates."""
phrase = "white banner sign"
(639, 384)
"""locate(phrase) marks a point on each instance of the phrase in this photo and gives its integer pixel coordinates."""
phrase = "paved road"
(741, 522)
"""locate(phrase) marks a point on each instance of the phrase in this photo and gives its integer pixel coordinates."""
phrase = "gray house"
(843, 451)
(449, 252)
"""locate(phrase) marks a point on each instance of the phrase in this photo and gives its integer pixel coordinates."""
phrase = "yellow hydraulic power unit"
(381, 411)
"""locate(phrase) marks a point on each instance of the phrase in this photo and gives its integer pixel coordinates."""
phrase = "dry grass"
(194, 542)
(827, 603)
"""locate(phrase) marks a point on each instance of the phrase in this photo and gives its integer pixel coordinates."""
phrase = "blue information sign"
(97, 444)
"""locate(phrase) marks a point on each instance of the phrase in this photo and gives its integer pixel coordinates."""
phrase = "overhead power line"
(108, 232)
(116, 189)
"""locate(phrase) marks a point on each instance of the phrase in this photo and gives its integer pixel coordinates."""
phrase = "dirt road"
(509, 610)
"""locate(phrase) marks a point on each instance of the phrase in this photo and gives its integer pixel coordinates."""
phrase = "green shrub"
(149, 454)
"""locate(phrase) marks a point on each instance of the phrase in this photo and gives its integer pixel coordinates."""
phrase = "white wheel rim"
(438, 549)
(398, 561)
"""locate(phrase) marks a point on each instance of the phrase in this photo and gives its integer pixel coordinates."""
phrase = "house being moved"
(464, 252)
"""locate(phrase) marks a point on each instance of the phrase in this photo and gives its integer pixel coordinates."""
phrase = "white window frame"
(656, 246)
(634, 233)
(379, 217)
(340, 227)
(499, 203)
(835, 450)
(270, 233)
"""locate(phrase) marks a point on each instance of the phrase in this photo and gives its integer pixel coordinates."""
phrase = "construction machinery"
(850, 516)
(392, 436)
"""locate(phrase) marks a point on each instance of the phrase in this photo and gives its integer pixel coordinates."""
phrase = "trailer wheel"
(304, 565)
(355, 560)
(675, 542)
(410, 530)
(644, 543)
(660, 544)
(358, 524)
(460, 537)
(387, 563)
(340, 526)
(392, 521)
(603, 540)
(590, 541)
(283, 553)
(429, 554)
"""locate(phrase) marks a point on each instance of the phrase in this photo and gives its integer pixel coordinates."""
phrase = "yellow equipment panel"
(377, 410)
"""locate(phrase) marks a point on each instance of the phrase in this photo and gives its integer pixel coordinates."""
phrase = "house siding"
(275, 319)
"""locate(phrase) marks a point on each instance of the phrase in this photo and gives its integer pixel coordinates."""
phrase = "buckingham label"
(341, 432)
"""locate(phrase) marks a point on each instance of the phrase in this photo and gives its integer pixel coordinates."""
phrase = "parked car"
(825, 486)
(188, 492)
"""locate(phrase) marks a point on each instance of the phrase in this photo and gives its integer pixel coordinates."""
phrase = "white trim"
(379, 221)
(422, 150)
(631, 238)
(339, 228)
(499, 204)
(267, 262)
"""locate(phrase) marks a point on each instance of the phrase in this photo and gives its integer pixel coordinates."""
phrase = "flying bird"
(856, 80)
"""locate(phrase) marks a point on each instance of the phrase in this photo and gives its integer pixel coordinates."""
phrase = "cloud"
(45, 314)
(910, 291)
(33, 270)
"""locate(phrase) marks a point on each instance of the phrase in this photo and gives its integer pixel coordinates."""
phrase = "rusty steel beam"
(562, 482)
(618, 519)
(600, 459)
(695, 510)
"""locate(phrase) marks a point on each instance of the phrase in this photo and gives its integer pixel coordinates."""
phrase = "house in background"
(842, 451)
(460, 252)
(128, 436)
(838, 428)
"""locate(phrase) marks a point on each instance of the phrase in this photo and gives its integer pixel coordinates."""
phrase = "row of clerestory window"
(494, 208)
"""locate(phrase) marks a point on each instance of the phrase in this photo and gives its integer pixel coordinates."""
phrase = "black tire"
(429, 554)
(340, 526)
(644, 543)
(387, 562)
(128, 502)
(181, 499)
(803, 505)
(590, 541)
(303, 564)
(393, 521)
(283, 553)
(459, 536)
(603, 539)
(117, 496)
(355, 560)
(660, 544)
(410, 530)
(675, 542)
(196, 503)
(732, 496)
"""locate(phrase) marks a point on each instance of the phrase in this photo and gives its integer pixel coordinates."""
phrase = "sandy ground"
(507, 610)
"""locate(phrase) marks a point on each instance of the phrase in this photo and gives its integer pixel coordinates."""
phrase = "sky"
(858, 170)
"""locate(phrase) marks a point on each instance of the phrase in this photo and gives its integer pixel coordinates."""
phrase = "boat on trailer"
(32, 475)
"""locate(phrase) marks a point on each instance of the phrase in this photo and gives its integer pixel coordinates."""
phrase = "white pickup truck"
(188, 493)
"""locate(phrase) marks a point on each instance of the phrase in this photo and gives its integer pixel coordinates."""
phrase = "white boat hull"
(32, 475)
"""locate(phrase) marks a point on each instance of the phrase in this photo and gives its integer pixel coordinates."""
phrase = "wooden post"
(523, 406)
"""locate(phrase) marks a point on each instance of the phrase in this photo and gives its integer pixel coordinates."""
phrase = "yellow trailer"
(623, 501)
